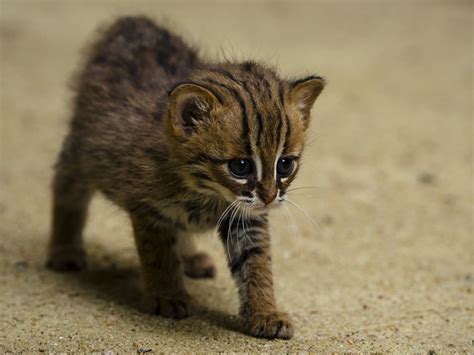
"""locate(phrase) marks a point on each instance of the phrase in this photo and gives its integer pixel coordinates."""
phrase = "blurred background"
(389, 266)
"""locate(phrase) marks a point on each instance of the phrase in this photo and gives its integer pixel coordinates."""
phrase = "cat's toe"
(199, 266)
(276, 325)
(66, 259)
(178, 307)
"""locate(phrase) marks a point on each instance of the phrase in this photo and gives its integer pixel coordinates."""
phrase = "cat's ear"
(304, 92)
(189, 105)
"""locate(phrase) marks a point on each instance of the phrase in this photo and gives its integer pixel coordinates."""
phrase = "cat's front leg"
(161, 267)
(247, 244)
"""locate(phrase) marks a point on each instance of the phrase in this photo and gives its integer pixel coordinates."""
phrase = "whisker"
(293, 224)
(306, 213)
(226, 211)
(301, 194)
(227, 239)
(231, 221)
(304, 187)
(247, 215)
(237, 236)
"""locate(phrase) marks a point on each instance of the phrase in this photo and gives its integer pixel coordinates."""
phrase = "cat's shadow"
(118, 281)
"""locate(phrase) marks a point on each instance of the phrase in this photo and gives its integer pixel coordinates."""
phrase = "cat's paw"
(66, 259)
(275, 325)
(177, 307)
(199, 266)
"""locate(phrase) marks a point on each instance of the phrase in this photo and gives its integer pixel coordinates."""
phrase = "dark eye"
(285, 167)
(240, 168)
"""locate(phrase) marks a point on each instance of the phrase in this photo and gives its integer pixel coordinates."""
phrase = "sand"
(390, 267)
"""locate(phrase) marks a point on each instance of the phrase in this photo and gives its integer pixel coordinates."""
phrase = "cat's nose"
(266, 196)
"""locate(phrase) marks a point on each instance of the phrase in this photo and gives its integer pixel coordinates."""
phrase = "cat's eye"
(285, 167)
(240, 168)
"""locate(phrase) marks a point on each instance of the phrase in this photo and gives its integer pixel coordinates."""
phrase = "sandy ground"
(390, 267)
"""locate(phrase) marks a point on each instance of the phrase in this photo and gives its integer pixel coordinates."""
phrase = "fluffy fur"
(154, 128)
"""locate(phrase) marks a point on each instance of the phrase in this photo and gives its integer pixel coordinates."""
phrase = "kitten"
(183, 146)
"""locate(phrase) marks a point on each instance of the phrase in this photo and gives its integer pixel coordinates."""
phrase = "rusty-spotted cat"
(184, 146)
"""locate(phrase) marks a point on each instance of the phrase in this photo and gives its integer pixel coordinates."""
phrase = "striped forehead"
(259, 98)
(267, 132)
(267, 144)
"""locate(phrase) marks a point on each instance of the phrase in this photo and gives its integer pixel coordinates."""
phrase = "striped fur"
(154, 128)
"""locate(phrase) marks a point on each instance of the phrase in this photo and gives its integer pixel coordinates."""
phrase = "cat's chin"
(262, 208)
(259, 212)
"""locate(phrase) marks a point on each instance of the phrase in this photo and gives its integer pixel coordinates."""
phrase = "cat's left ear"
(304, 92)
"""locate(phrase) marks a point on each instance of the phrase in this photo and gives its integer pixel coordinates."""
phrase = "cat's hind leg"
(71, 197)
(161, 267)
(196, 264)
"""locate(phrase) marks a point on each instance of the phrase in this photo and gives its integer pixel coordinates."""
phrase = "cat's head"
(239, 131)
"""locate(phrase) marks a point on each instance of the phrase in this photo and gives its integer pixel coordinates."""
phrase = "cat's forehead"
(250, 80)
(257, 97)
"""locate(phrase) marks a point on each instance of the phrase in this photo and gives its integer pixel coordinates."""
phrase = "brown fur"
(153, 129)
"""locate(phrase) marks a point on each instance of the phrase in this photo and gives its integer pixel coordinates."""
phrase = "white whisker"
(293, 224)
(304, 188)
(226, 211)
(306, 213)
(229, 229)
(245, 223)
(298, 194)
(237, 236)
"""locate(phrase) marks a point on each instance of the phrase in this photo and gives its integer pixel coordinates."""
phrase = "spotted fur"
(154, 128)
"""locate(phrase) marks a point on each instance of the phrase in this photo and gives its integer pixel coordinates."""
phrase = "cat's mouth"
(258, 205)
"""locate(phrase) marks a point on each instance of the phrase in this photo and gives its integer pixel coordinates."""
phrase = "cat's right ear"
(189, 106)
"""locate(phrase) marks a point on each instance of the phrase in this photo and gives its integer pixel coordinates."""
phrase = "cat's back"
(120, 91)
(133, 60)
(137, 44)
